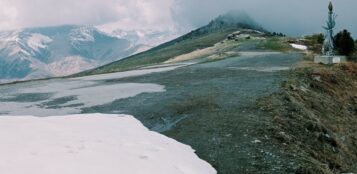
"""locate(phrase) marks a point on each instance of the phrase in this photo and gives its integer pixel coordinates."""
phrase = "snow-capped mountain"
(58, 51)
(147, 38)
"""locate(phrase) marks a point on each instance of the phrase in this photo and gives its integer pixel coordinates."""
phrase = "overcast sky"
(294, 17)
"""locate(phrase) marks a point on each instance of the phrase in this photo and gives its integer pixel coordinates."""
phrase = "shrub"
(316, 38)
(344, 43)
(315, 42)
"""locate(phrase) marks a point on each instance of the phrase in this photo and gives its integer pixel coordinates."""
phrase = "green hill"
(216, 31)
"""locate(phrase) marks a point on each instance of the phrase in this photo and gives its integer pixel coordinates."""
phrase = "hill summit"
(233, 19)
(207, 36)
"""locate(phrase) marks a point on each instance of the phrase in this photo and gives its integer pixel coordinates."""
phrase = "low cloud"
(293, 17)
(34, 13)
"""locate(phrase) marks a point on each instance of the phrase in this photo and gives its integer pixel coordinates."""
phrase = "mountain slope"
(217, 30)
(58, 51)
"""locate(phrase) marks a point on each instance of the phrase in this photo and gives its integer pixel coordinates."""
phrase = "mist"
(291, 17)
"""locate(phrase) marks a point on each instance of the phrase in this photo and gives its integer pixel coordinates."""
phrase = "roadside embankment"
(314, 117)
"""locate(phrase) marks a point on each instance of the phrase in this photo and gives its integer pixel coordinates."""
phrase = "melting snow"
(299, 47)
(87, 94)
(91, 144)
(84, 92)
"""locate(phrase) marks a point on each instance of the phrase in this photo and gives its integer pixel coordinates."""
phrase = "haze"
(293, 17)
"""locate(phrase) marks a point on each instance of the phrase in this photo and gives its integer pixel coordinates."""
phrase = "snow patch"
(82, 34)
(18, 50)
(91, 144)
(70, 65)
(149, 38)
(38, 41)
(10, 36)
(299, 47)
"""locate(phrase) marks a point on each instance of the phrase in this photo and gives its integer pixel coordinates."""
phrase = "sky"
(293, 17)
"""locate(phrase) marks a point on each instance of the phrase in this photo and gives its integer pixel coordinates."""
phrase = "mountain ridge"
(203, 37)
(43, 52)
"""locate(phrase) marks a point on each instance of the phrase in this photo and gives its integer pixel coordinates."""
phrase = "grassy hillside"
(206, 36)
(182, 45)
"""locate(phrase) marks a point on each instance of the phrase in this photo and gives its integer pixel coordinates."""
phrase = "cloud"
(25, 13)
(144, 14)
(52, 12)
(294, 17)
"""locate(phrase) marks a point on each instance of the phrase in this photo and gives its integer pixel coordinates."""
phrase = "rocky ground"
(210, 106)
(242, 108)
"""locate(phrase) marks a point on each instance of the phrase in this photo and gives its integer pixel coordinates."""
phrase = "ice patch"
(91, 144)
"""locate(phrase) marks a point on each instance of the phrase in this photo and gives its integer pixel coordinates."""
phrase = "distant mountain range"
(63, 50)
(59, 51)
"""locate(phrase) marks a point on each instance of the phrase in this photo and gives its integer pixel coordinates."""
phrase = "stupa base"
(330, 59)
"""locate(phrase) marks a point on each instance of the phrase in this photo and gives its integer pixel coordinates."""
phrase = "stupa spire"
(328, 47)
(330, 7)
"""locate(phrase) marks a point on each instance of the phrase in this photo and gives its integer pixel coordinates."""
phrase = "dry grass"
(220, 50)
(276, 44)
(350, 67)
(316, 116)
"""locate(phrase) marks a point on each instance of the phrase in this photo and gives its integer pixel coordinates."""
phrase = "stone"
(330, 59)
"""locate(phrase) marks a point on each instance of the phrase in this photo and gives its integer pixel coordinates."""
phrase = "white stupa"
(328, 49)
